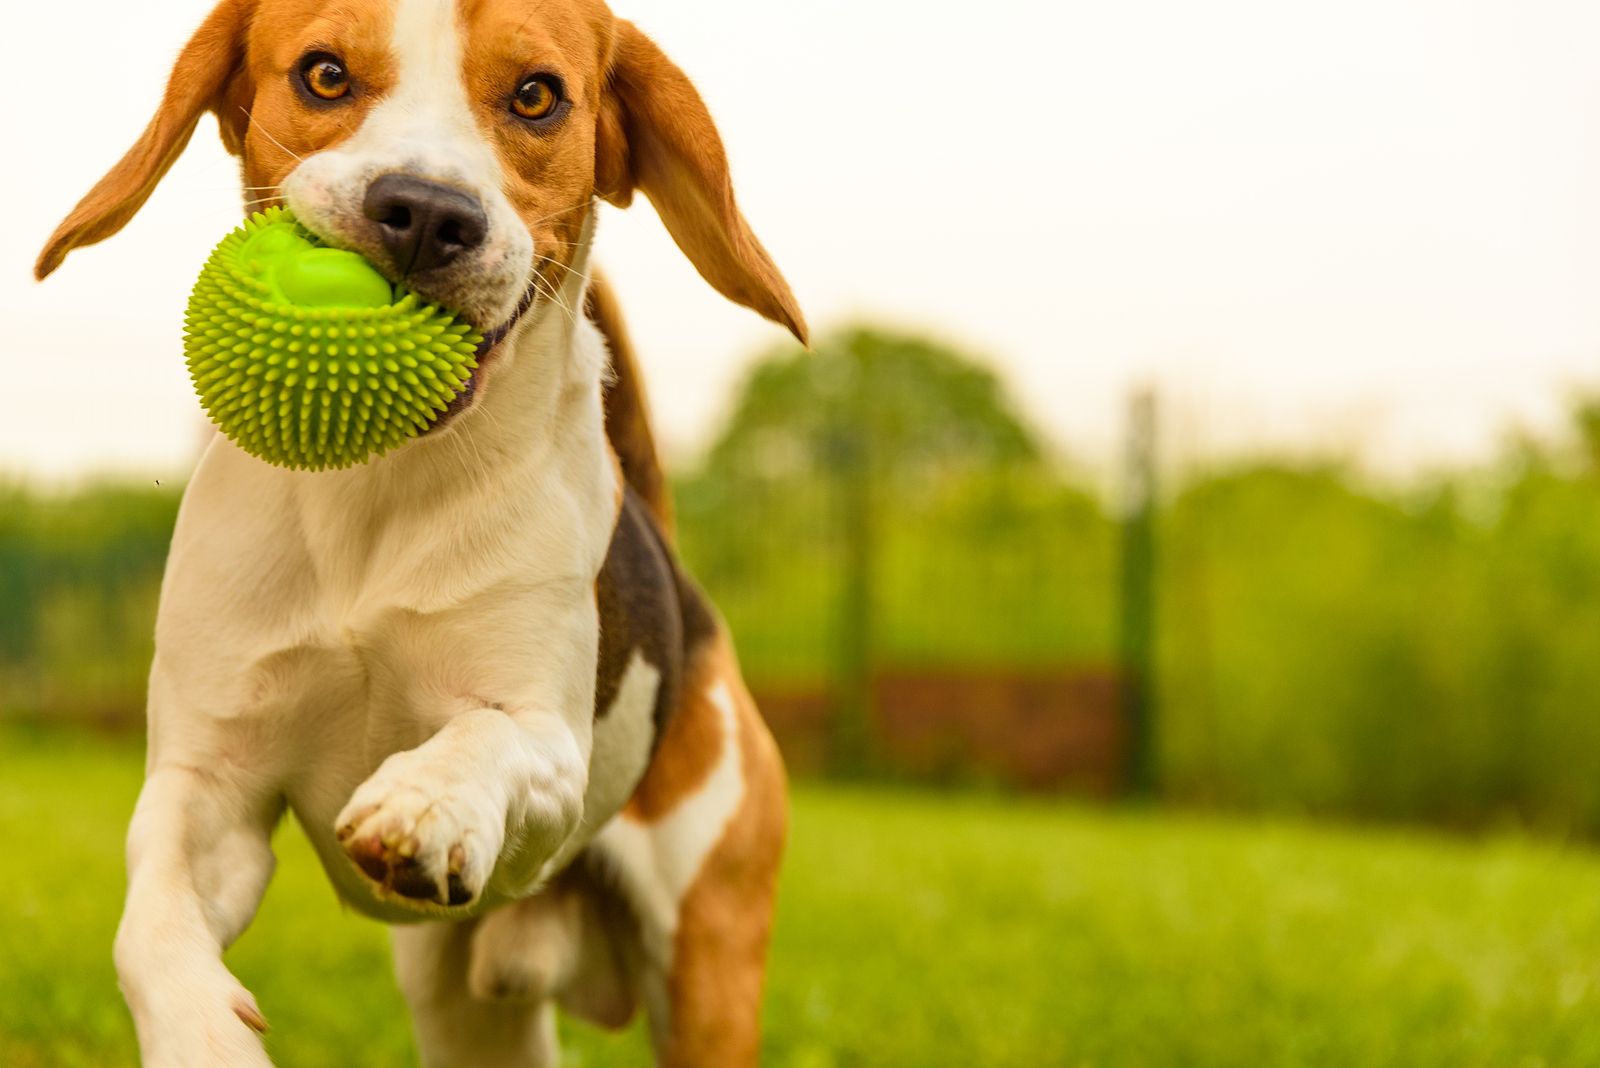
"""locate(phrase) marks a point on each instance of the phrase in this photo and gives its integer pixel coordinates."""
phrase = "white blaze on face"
(429, 107)
(424, 127)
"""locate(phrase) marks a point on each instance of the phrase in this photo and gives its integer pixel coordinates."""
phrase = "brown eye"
(536, 98)
(325, 77)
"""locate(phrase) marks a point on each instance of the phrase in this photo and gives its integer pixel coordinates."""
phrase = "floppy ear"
(205, 78)
(655, 135)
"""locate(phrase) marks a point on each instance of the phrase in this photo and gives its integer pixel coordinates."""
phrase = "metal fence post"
(852, 735)
(1136, 615)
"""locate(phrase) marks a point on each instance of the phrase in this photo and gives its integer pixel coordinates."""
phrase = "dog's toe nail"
(459, 894)
(458, 859)
(246, 1010)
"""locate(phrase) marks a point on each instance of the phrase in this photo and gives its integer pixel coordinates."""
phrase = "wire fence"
(991, 624)
(1273, 634)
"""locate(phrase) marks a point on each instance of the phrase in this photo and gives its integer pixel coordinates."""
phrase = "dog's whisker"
(557, 263)
(550, 292)
(563, 211)
(472, 442)
(488, 413)
(461, 454)
(562, 266)
(268, 133)
(542, 287)
(551, 298)
(553, 293)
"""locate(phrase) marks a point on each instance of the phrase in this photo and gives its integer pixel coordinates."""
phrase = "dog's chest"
(417, 669)
(316, 664)
(386, 688)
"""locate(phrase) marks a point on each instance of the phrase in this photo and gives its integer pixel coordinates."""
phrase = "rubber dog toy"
(306, 357)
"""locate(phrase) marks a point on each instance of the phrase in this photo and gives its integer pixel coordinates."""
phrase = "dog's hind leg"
(454, 1028)
(696, 853)
(575, 942)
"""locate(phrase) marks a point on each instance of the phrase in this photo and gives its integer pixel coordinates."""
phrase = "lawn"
(921, 929)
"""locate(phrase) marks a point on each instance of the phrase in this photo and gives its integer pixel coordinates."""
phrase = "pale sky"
(1374, 224)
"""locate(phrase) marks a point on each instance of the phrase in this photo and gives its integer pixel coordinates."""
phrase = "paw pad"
(393, 862)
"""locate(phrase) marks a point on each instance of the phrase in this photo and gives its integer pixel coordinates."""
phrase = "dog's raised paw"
(420, 847)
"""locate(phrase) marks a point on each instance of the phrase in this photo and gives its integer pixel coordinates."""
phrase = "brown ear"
(200, 82)
(655, 135)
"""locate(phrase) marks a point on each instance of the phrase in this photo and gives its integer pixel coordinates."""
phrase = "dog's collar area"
(494, 335)
(491, 339)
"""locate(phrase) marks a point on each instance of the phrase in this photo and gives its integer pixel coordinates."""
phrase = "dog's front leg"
(199, 859)
(485, 801)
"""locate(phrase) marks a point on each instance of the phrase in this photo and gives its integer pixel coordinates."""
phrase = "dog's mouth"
(487, 349)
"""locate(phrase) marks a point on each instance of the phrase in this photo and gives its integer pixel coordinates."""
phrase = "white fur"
(623, 740)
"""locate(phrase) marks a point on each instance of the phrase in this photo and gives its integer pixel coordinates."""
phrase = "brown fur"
(549, 178)
(725, 921)
(627, 407)
(655, 135)
(278, 125)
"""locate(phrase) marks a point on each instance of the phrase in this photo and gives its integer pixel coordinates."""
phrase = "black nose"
(423, 224)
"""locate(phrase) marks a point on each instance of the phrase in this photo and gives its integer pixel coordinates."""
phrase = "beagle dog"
(472, 668)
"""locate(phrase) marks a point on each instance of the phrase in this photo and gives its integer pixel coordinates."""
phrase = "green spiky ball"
(305, 356)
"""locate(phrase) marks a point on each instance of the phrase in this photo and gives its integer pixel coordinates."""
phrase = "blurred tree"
(872, 415)
(904, 407)
(1587, 417)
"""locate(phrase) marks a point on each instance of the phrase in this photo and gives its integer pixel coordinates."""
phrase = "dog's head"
(458, 144)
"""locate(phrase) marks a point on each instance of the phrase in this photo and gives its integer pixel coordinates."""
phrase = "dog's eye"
(537, 97)
(324, 76)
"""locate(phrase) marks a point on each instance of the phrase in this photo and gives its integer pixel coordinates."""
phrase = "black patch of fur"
(638, 601)
(648, 604)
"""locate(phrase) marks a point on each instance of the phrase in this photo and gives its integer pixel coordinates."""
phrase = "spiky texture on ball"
(304, 356)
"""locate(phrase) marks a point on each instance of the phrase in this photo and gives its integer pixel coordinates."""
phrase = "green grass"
(917, 929)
